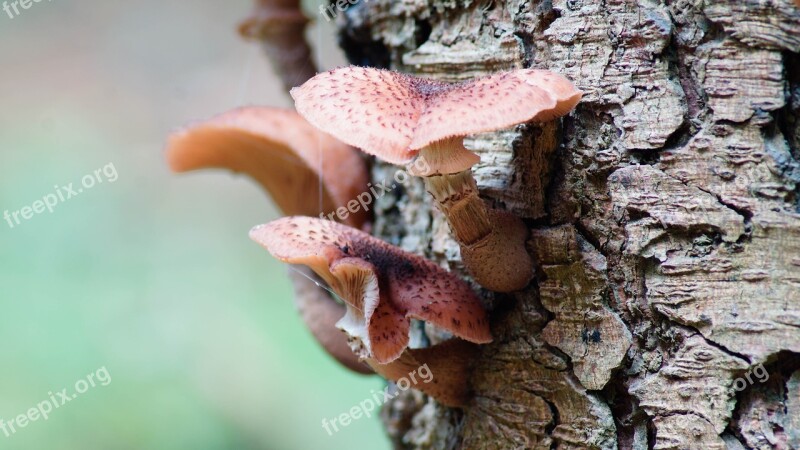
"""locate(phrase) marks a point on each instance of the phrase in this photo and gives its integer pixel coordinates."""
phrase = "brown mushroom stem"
(456, 195)
(320, 313)
(280, 27)
(445, 368)
(492, 241)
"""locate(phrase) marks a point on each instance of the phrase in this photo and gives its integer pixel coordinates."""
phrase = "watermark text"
(16, 5)
(376, 191)
(365, 408)
(56, 400)
(60, 195)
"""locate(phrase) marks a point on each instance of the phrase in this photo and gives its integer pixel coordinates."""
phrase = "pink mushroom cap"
(393, 115)
(383, 286)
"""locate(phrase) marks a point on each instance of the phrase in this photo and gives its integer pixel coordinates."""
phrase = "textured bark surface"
(664, 222)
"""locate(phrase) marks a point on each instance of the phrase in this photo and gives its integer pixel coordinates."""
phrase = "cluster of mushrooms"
(307, 160)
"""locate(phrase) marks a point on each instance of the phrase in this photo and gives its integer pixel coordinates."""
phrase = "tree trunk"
(664, 221)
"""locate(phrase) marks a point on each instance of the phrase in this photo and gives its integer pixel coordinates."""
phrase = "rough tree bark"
(664, 222)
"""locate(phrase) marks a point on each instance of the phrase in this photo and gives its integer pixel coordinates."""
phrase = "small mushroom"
(383, 286)
(283, 153)
(280, 27)
(449, 362)
(320, 313)
(400, 118)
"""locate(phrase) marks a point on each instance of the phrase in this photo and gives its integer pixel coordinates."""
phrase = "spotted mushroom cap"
(392, 115)
(383, 286)
(282, 152)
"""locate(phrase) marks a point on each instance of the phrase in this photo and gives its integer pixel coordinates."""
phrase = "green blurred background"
(152, 276)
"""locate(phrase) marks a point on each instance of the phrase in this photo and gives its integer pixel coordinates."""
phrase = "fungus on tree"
(400, 118)
(383, 286)
(449, 362)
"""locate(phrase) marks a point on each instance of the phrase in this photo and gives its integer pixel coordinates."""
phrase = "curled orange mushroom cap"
(400, 118)
(282, 152)
(382, 286)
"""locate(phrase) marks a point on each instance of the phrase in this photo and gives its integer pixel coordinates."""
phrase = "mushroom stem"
(280, 27)
(492, 241)
(456, 195)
